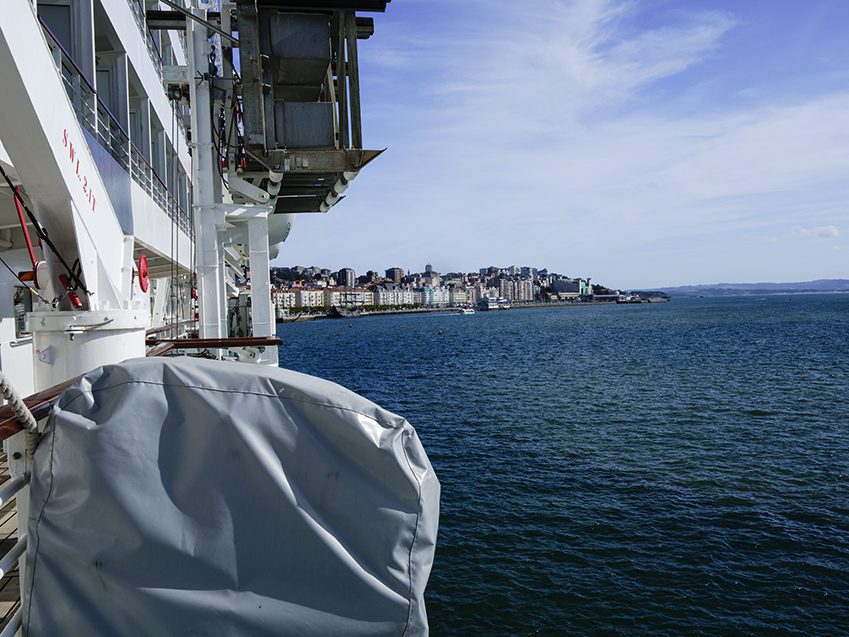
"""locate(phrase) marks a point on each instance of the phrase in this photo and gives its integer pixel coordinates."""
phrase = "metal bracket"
(247, 189)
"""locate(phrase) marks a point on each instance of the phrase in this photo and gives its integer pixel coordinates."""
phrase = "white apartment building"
(332, 296)
(283, 299)
(385, 296)
(458, 296)
(309, 298)
(441, 296)
(392, 296)
(507, 289)
(343, 297)
(525, 290)
(408, 297)
(435, 296)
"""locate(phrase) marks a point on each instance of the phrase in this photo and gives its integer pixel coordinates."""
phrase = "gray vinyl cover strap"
(193, 497)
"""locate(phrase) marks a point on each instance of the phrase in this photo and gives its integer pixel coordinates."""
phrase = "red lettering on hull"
(75, 166)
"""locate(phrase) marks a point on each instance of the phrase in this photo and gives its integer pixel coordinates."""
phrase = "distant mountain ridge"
(721, 289)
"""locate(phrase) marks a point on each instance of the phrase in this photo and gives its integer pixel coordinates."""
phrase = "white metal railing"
(153, 47)
(138, 11)
(10, 488)
(96, 118)
(14, 488)
(14, 624)
(8, 561)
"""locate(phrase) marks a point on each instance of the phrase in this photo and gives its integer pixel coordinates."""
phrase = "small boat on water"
(466, 310)
(488, 303)
(345, 312)
(630, 298)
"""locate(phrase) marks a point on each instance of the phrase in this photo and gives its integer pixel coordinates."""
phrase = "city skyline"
(652, 145)
(311, 288)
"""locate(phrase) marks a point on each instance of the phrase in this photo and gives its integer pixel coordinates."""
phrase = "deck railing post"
(19, 449)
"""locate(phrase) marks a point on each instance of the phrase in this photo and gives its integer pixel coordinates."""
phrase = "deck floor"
(10, 592)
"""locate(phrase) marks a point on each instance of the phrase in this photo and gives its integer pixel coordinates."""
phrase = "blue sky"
(640, 143)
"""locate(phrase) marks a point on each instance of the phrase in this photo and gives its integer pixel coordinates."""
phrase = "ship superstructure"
(154, 156)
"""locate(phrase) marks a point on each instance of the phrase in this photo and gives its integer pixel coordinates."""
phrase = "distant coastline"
(818, 286)
(327, 314)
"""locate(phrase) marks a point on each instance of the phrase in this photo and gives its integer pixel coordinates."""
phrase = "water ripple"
(668, 469)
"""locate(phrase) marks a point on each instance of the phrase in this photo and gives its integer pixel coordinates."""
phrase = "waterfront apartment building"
(309, 298)
(345, 297)
(474, 293)
(458, 296)
(333, 297)
(392, 295)
(435, 296)
(283, 299)
(525, 291)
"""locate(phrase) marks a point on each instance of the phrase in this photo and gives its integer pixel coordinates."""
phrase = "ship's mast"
(295, 108)
(208, 219)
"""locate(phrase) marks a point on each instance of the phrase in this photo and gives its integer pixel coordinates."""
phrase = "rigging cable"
(175, 140)
(42, 234)
(175, 237)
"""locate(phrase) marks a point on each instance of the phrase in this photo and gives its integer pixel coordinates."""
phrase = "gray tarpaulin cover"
(193, 497)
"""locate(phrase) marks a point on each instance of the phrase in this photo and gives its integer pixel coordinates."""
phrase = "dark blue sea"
(666, 469)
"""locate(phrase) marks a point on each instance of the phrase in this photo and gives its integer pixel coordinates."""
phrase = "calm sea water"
(654, 469)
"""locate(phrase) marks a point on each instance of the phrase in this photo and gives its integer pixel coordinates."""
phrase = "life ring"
(144, 274)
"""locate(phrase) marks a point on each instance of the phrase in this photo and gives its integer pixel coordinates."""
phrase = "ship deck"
(10, 591)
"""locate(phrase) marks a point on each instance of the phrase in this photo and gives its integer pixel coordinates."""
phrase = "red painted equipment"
(144, 274)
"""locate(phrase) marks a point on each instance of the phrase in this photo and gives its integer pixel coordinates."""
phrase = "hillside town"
(299, 289)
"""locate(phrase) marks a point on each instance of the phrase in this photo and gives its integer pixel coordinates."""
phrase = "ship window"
(135, 127)
(104, 88)
(57, 17)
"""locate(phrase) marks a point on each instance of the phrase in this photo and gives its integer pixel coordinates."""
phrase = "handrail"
(14, 624)
(218, 343)
(11, 558)
(139, 16)
(9, 488)
(66, 54)
(42, 402)
(39, 404)
(183, 217)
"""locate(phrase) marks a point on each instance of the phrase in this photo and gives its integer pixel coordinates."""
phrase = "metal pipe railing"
(138, 11)
(98, 120)
(8, 561)
(14, 624)
(150, 41)
(10, 488)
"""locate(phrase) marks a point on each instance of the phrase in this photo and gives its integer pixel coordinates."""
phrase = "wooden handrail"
(39, 404)
(218, 343)
(42, 402)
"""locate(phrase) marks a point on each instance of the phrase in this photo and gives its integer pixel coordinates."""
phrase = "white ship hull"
(145, 190)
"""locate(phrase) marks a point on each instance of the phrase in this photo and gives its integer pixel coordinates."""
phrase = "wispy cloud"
(566, 134)
(823, 232)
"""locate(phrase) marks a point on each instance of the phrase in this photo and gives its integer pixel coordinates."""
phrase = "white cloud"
(535, 136)
(825, 232)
